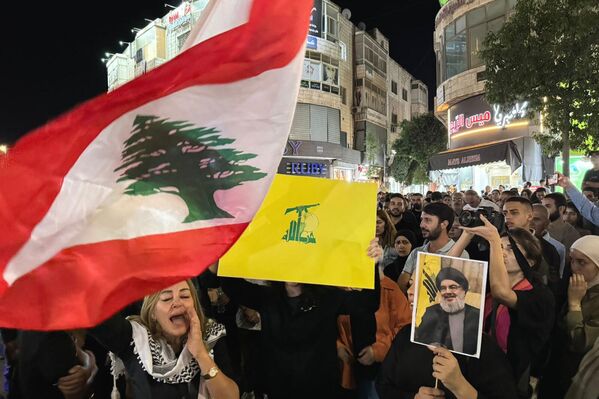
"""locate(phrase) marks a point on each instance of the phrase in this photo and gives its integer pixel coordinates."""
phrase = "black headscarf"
(409, 234)
(528, 271)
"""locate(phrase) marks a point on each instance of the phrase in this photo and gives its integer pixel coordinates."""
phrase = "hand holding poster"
(449, 296)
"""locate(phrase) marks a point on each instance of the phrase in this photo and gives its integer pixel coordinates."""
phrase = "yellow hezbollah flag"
(308, 230)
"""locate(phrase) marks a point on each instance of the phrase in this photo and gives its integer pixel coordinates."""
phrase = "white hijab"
(589, 246)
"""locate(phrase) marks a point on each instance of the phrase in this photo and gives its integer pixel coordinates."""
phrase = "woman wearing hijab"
(519, 311)
(582, 319)
(579, 328)
(405, 241)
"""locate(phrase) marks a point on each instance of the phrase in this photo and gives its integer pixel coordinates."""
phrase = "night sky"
(51, 50)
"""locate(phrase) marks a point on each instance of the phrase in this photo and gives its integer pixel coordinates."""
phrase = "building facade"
(488, 144)
(352, 95)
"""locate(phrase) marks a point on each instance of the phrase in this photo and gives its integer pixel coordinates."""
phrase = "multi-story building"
(322, 127)
(488, 145)
(419, 93)
(352, 94)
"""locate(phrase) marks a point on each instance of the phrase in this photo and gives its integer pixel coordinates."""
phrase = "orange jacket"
(393, 313)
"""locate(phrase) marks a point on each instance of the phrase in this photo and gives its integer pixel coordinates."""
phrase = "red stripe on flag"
(108, 276)
(37, 164)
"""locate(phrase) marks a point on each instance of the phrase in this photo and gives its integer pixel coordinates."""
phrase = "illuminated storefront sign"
(473, 121)
(179, 15)
(498, 117)
(307, 168)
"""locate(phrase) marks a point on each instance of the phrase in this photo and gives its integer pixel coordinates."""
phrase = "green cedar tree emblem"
(176, 157)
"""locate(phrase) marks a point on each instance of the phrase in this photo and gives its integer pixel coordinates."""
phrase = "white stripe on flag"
(91, 206)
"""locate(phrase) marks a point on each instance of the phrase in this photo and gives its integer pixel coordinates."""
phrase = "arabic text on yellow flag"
(308, 230)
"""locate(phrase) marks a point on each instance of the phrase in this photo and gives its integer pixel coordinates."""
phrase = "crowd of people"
(214, 337)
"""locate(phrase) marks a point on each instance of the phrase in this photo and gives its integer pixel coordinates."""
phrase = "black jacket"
(434, 328)
(409, 366)
(299, 334)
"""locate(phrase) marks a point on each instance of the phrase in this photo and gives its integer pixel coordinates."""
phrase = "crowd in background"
(213, 337)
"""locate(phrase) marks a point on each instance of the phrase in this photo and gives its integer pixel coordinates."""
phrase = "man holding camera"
(437, 219)
(473, 202)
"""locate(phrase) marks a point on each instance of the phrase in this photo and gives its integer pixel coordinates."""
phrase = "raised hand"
(486, 231)
(576, 291)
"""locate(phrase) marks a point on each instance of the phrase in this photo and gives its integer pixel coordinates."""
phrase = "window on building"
(476, 37)
(393, 87)
(464, 38)
(404, 94)
(393, 119)
(330, 17)
(342, 51)
(181, 40)
(343, 93)
(455, 47)
(414, 85)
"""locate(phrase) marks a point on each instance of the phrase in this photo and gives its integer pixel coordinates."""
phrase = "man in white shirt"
(437, 219)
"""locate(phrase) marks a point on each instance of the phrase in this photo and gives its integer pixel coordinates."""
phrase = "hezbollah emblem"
(302, 229)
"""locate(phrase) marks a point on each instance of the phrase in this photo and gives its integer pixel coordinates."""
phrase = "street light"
(148, 20)
(135, 30)
(122, 43)
(169, 6)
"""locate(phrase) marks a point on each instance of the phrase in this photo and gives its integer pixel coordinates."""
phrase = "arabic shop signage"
(474, 115)
(474, 121)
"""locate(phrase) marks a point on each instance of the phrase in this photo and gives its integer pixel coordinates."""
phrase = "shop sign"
(307, 168)
(503, 119)
(461, 161)
(292, 146)
(179, 15)
(312, 43)
(316, 19)
(476, 113)
(468, 122)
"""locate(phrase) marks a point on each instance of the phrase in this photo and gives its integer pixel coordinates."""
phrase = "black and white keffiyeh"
(158, 358)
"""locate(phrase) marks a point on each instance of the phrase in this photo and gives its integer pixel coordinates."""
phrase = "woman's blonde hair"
(147, 319)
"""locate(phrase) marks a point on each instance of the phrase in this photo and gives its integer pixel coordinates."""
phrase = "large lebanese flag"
(147, 185)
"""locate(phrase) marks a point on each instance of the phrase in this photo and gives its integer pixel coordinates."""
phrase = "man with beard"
(437, 219)
(402, 218)
(458, 203)
(451, 323)
(560, 230)
(473, 201)
(416, 201)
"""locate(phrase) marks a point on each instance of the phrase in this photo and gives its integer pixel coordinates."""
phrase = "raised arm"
(501, 288)
(586, 208)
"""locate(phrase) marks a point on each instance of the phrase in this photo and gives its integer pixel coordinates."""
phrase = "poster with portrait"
(330, 75)
(449, 303)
